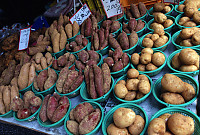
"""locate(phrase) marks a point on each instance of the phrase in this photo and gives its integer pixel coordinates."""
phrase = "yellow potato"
(121, 82)
(120, 90)
(176, 63)
(114, 130)
(195, 38)
(132, 73)
(165, 38)
(145, 58)
(159, 42)
(144, 86)
(132, 84)
(148, 36)
(130, 95)
(160, 18)
(181, 8)
(137, 127)
(156, 127)
(141, 67)
(178, 40)
(135, 58)
(154, 37)
(167, 9)
(189, 92)
(147, 42)
(168, 133)
(189, 24)
(172, 98)
(197, 64)
(183, 20)
(158, 7)
(196, 17)
(188, 56)
(165, 116)
(159, 31)
(158, 59)
(186, 42)
(187, 33)
(188, 68)
(168, 23)
(156, 25)
(147, 50)
(143, 77)
(150, 67)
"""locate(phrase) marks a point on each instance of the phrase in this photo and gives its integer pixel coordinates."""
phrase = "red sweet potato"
(35, 101)
(69, 81)
(85, 42)
(91, 62)
(135, 11)
(83, 28)
(59, 113)
(140, 25)
(98, 80)
(79, 39)
(117, 66)
(88, 27)
(115, 26)
(93, 55)
(123, 40)
(64, 101)
(113, 42)
(125, 59)
(62, 60)
(132, 24)
(106, 77)
(51, 107)
(76, 83)
(101, 36)
(23, 113)
(61, 79)
(41, 78)
(106, 23)
(43, 110)
(133, 39)
(79, 65)
(142, 8)
(96, 41)
(117, 54)
(92, 90)
(83, 56)
(55, 64)
(109, 61)
(57, 96)
(87, 80)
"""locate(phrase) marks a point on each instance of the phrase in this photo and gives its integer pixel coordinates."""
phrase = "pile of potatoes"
(98, 80)
(188, 22)
(136, 12)
(126, 122)
(85, 58)
(133, 25)
(171, 124)
(65, 60)
(175, 91)
(68, 80)
(187, 60)
(135, 87)
(54, 108)
(157, 39)
(83, 119)
(148, 60)
(45, 80)
(123, 40)
(189, 37)
(116, 60)
(79, 43)
(161, 22)
(161, 8)
(26, 107)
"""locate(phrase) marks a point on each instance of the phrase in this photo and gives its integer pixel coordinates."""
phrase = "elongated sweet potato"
(94, 22)
(7, 98)
(55, 43)
(132, 24)
(106, 77)
(83, 28)
(38, 57)
(64, 101)
(32, 74)
(14, 82)
(142, 8)
(63, 39)
(88, 27)
(109, 61)
(101, 36)
(43, 111)
(98, 80)
(41, 78)
(49, 57)
(69, 81)
(133, 39)
(59, 113)
(23, 76)
(83, 56)
(128, 14)
(2, 106)
(79, 65)
(43, 62)
(96, 42)
(76, 83)
(51, 107)
(75, 28)
(52, 77)
(123, 40)
(113, 42)
(61, 79)
(135, 11)
(87, 79)
(93, 55)
(92, 90)
(125, 59)
(68, 30)
(14, 92)
(55, 64)
(115, 26)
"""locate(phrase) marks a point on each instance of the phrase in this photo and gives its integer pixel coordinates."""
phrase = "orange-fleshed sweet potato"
(92, 90)
(117, 54)
(51, 107)
(59, 113)
(69, 81)
(61, 79)
(117, 66)
(43, 111)
(52, 77)
(113, 42)
(109, 61)
(41, 78)
(106, 77)
(125, 59)
(83, 56)
(98, 80)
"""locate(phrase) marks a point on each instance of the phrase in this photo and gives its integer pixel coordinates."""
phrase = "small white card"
(24, 38)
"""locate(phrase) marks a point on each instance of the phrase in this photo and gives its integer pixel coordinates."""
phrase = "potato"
(189, 24)
(158, 59)
(121, 82)
(183, 20)
(159, 42)
(165, 116)
(120, 90)
(141, 67)
(132, 73)
(143, 77)
(23, 113)
(187, 33)
(114, 130)
(197, 64)
(176, 63)
(139, 95)
(168, 23)
(172, 83)
(189, 92)
(196, 17)
(154, 37)
(144, 86)
(156, 127)
(137, 127)
(132, 84)
(130, 95)
(145, 58)
(168, 133)
(148, 36)
(181, 125)
(172, 98)
(188, 56)
(147, 50)
(165, 38)
(155, 26)
(147, 42)
(123, 117)
(150, 67)
(181, 8)
(160, 18)
(159, 31)
(16, 104)
(167, 9)
(186, 42)
(135, 58)
(195, 38)
(72, 126)
(188, 68)
(158, 7)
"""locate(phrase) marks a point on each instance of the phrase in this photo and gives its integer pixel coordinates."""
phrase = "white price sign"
(112, 7)
(171, 1)
(24, 38)
(82, 14)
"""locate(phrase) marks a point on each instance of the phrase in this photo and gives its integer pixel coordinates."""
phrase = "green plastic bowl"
(84, 48)
(138, 101)
(161, 48)
(26, 89)
(95, 131)
(60, 53)
(116, 33)
(33, 116)
(168, 29)
(73, 93)
(169, 60)
(86, 97)
(48, 123)
(186, 78)
(142, 18)
(102, 52)
(176, 8)
(73, 38)
(150, 11)
(153, 72)
(174, 37)
(7, 115)
(182, 111)
(136, 108)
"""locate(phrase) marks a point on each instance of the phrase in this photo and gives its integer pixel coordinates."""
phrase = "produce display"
(187, 22)
(133, 25)
(161, 8)
(111, 26)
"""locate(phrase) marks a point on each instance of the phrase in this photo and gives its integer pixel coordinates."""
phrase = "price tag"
(112, 7)
(172, 1)
(82, 14)
(24, 38)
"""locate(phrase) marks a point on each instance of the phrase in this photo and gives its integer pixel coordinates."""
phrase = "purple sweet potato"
(91, 62)
(79, 65)
(88, 27)
(72, 126)
(69, 81)
(61, 79)
(98, 80)
(51, 107)
(106, 77)
(41, 78)
(117, 66)
(87, 79)
(57, 96)
(117, 54)
(128, 14)
(83, 56)
(92, 90)
(59, 113)
(96, 41)
(115, 26)
(55, 64)
(123, 40)
(142, 8)
(64, 101)
(62, 60)
(85, 42)
(113, 42)
(93, 55)
(135, 11)
(106, 23)
(133, 39)
(140, 25)
(132, 24)
(125, 59)
(79, 39)
(109, 61)
(43, 110)
(77, 83)
(101, 36)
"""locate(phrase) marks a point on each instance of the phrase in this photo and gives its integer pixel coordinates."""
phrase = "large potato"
(187, 33)
(113, 130)
(181, 8)
(147, 42)
(189, 92)
(196, 17)
(172, 98)
(155, 26)
(132, 84)
(172, 83)
(137, 127)
(159, 31)
(132, 73)
(156, 127)
(188, 56)
(158, 59)
(144, 86)
(188, 68)
(183, 20)
(145, 58)
(176, 63)
(120, 90)
(135, 58)
(160, 18)
(143, 77)
(179, 124)
(159, 42)
(123, 117)
(167, 9)
(158, 7)
(165, 116)
(154, 37)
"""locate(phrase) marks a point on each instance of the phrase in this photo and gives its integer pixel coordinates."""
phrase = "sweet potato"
(79, 39)
(33, 109)
(64, 101)
(83, 56)
(76, 83)
(85, 42)
(117, 66)
(133, 39)
(128, 14)
(72, 126)
(66, 19)
(98, 80)
(23, 113)
(117, 54)
(49, 57)
(135, 11)
(35, 101)
(92, 90)
(86, 75)
(75, 28)
(34, 50)
(16, 104)
(32, 74)
(23, 76)
(14, 92)
(140, 25)
(113, 42)
(88, 27)
(61, 79)
(62, 60)
(41, 78)
(2, 106)
(71, 114)
(83, 28)
(59, 113)
(96, 42)
(51, 107)
(68, 30)
(38, 57)
(57, 96)
(17, 70)
(101, 36)
(104, 44)
(79, 65)
(52, 77)
(63, 39)
(27, 96)
(91, 62)
(115, 26)
(106, 77)
(109, 61)
(14, 82)
(76, 48)
(43, 111)
(44, 63)
(123, 40)
(55, 43)
(94, 22)
(125, 59)
(93, 55)
(7, 98)
(142, 8)
(72, 58)
(61, 20)
(69, 81)
(106, 34)
(55, 64)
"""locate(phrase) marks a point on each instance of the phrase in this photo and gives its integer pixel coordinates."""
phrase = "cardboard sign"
(82, 14)
(112, 7)
(172, 1)
(24, 38)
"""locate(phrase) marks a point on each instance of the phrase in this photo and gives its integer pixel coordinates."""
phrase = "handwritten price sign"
(24, 38)
(112, 7)
(82, 14)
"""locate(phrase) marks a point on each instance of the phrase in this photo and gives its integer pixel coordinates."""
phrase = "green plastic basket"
(48, 123)
(73, 93)
(168, 29)
(33, 116)
(60, 53)
(186, 78)
(116, 33)
(182, 111)
(73, 38)
(153, 72)
(102, 52)
(141, 18)
(176, 8)
(84, 48)
(174, 37)
(169, 60)
(161, 48)
(150, 11)
(136, 108)
(95, 131)
(85, 96)
(138, 101)
(26, 89)
(7, 115)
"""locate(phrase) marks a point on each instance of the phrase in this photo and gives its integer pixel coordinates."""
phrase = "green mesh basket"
(136, 108)
(182, 111)
(186, 78)
(95, 131)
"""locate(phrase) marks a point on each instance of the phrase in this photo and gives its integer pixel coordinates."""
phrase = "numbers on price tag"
(24, 38)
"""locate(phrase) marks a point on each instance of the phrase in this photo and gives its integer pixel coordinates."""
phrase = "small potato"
(147, 42)
(189, 24)
(159, 42)
(158, 59)
(147, 50)
(139, 95)
(188, 56)
(141, 67)
(165, 116)
(167, 9)
(132, 73)
(123, 117)
(135, 58)
(130, 95)
(159, 31)
(183, 20)
(186, 42)
(176, 63)
(148, 36)
(172, 98)
(121, 82)
(156, 127)
(181, 8)
(155, 26)
(132, 84)
(137, 127)
(189, 92)
(160, 18)
(165, 38)
(120, 90)
(154, 37)
(144, 86)
(196, 17)
(145, 58)
(114, 130)
(143, 77)
(150, 67)
(188, 68)
(196, 38)
(168, 23)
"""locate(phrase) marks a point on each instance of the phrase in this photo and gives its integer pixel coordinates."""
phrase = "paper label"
(81, 15)
(24, 38)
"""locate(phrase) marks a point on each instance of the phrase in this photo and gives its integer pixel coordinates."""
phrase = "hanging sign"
(24, 38)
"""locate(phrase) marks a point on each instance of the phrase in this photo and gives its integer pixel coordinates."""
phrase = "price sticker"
(172, 1)
(81, 15)
(112, 7)
(24, 38)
